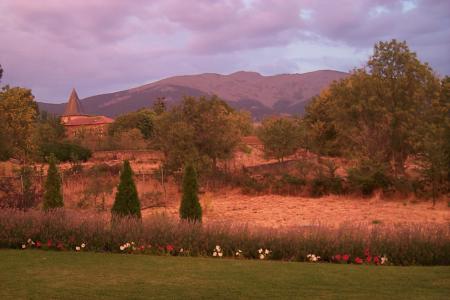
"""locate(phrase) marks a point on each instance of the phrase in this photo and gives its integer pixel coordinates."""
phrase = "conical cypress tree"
(53, 197)
(190, 208)
(127, 200)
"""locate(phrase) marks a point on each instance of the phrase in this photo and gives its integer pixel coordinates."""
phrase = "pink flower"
(337, 257)
(369, 259)
(142, 248)
(170, 248)
(366, 252)
(60, 246)
(49, 243)
(358, 261)
(376, 260)
(345, 257)
(38, 244)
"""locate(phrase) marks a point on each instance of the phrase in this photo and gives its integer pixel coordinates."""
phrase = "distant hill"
(261, 95)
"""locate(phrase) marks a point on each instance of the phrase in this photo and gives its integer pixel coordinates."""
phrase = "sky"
(100, 46)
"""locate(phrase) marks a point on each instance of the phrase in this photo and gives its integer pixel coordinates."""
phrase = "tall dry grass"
(404, 244)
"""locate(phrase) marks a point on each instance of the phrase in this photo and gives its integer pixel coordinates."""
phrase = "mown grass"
(37, 274)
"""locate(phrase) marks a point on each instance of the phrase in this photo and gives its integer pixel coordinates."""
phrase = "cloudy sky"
(102, 46)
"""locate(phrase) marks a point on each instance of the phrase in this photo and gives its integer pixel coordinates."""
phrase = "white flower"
(218, 248)
(267, 251)
(308, 256)
(83, 245)
(122, 248)
(220, 254)
(214, 253)
(127, 245)
(77, 248)
(24, 246)
(237, 254)
(261, 256)
(29, 241)
(240, 251)
(384, 259)
(260, 251)
(132, 243)
(181, 250)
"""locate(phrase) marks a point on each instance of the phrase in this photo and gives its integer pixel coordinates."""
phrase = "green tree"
(141, 119)
(190, 208)
(18, 113)
(207, 130)
(127, 201)
(280, 136)
(433, 147)
(377, 110)
(53, 197)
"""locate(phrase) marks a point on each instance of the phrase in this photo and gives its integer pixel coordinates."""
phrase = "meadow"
(70, 275)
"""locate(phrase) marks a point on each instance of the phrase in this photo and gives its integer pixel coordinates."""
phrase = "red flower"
(376, 260)
(345, 257)
(367, 252)
(142, 248)
(38, 244)
(49, 243)
(337, 257)
(60, 246)
(170, 248)
(369, 259)
(358, 261)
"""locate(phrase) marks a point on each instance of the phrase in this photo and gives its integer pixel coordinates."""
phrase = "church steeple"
(73, 107)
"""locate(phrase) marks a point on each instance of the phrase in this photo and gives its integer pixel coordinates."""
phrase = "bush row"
(403, 244)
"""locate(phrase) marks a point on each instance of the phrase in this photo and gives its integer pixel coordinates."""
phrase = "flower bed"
(160, 235)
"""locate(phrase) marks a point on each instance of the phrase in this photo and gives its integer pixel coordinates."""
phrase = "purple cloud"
(106, 45)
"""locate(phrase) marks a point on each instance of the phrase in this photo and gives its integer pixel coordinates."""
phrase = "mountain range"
(251, 91)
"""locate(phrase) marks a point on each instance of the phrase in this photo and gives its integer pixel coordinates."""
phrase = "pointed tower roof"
(73, 107)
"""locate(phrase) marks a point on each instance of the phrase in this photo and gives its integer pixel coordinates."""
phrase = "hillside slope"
(261, 95)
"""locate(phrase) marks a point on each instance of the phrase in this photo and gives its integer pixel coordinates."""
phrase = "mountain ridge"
(261, 95)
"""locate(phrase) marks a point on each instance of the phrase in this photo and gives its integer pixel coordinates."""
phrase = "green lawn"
(36, 274)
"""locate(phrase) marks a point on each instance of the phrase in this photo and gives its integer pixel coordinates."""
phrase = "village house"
(77, 121)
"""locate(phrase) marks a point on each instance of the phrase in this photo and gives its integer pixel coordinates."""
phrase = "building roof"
(73, 107)
(88, 120)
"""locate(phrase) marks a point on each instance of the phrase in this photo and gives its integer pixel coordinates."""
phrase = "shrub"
(403, 244)
(367, 177)
(190, 208)
(324, 185)
(65, 151)
(127, 201)
(53, 197)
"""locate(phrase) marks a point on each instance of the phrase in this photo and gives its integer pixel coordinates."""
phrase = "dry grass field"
(230, 205)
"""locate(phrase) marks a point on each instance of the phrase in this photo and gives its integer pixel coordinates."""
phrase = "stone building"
(78, 122)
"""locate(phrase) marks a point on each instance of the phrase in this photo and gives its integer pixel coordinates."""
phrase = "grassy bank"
(41, 274)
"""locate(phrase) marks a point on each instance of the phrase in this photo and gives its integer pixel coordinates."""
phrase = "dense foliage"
(200, 130)
(281, 137)
(65, 151)
(18, 113)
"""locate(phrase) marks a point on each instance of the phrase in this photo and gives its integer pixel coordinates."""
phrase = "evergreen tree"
(28, 188)
(127, 201)
(190, 208)
(53, 197)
